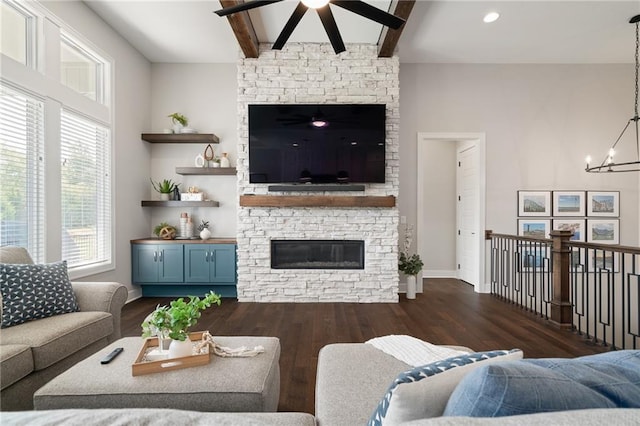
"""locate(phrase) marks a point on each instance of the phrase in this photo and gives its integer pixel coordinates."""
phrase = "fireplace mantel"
(316, 201)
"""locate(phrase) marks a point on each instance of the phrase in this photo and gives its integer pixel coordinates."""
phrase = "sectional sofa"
(353, 379)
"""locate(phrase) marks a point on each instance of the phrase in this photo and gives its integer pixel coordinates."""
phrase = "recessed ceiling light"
(315, 4)
(491, 17)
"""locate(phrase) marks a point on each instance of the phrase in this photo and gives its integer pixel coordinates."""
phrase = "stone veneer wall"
(313, 73)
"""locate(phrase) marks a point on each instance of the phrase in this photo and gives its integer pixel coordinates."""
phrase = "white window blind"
(22, 171)
(85, 191)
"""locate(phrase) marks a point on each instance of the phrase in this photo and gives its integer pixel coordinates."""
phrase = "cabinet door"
(144, 263)
(170, 265)
(223, 266)
(196, 260)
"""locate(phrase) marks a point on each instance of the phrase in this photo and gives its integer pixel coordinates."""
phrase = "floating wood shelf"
(176, 203)
(206, 170)
(180, 138)
(316, 201)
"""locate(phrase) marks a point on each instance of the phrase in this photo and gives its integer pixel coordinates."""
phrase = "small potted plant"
(179, 121)
(165, 187)
(410, 265)
(205, 234)
(174, 321)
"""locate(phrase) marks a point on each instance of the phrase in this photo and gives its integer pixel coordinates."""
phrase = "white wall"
(132, 112)
(206, 95)
(540, 122)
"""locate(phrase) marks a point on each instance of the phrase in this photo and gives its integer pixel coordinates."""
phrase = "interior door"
(468, 212)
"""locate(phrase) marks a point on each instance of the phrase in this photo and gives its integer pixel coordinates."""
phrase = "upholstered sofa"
(355, 380)
(352, 380)
(33, 352)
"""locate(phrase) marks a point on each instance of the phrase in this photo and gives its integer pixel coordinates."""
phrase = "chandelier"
(609, 165)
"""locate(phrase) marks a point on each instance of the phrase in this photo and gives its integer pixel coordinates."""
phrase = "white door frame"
(479, 139)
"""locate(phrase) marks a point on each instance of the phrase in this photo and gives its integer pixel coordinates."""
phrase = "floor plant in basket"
(174, 321)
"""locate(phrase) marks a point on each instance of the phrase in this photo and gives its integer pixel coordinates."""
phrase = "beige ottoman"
(225, 384)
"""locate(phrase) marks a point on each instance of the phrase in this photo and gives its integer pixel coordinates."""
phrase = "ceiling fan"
(326, 17)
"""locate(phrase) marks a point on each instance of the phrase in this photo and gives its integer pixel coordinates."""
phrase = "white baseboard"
(134, 294)
(439, 273)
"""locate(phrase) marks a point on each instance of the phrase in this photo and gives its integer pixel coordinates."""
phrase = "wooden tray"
(139, 367)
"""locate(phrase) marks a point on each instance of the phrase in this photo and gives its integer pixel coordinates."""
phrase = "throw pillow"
(608, 380)
(424, 391)
(35, 291)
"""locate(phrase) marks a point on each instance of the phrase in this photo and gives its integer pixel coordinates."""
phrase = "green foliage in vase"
(176, 117)
(203, 225)
(175, 320)
(409, 264)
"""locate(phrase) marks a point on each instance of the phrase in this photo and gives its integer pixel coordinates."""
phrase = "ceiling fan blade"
(331, 28)
(244, 6)
(291, 24)
(363, 9)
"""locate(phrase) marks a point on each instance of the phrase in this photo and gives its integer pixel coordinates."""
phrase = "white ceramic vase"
(411, 286)
(205, 234)
(180, 348)
(224, 160)
(164, 196)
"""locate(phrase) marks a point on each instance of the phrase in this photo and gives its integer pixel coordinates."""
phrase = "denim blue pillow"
(607, 380)
(424, 391)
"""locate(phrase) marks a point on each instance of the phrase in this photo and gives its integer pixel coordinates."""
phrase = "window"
(16, 32)
(55, 143)
(22, 171)
(85, 154)
(81, 69)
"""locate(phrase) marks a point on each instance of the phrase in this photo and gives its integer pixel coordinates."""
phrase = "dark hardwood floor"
(448, 312)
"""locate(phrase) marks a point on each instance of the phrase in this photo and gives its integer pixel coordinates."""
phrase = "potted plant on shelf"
(410, 265)
(165, 187)
(173, 322)
(179, 121)
(205, 233)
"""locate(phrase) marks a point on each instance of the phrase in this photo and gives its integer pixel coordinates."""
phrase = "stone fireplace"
(313, 73)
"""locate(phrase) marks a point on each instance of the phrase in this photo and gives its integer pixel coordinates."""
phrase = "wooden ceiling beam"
(243, 29)
(389, 37)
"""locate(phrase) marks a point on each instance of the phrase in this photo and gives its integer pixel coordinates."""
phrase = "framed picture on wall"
(568, 203)
(534, 203)
(575, 225)
(603, 231)
(603, 203)
(534, 228)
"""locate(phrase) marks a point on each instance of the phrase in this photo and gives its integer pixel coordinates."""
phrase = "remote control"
(107, 359)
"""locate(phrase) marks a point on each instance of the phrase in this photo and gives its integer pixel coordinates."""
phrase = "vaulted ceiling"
(436, 32)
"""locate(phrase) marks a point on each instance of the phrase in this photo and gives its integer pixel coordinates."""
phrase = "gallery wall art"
(592, 216)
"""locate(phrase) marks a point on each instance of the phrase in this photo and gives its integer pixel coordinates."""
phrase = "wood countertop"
(184, 241)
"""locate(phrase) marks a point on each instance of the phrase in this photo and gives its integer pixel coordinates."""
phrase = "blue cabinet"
(175, 269)
(157, 263)
(210, 263)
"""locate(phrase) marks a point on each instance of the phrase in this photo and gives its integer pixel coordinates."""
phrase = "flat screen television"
(310, 143)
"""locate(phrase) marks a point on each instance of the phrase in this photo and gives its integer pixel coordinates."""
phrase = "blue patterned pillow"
(424, 391)
(35, 291)
(608, 380)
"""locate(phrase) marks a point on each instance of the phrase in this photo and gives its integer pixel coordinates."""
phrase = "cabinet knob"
(155, 256)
